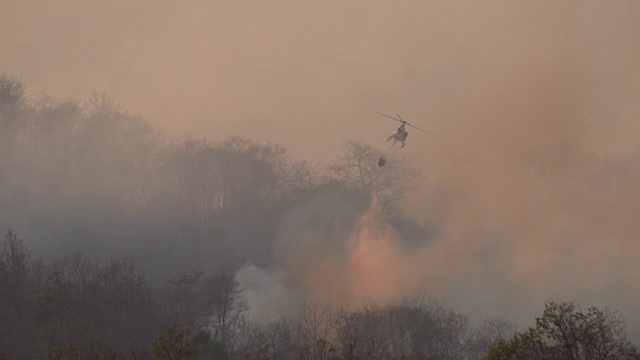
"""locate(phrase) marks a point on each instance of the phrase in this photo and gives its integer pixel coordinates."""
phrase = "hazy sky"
(533, 182)
(312, 74)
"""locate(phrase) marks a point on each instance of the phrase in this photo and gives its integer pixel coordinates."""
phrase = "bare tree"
(251, 341)
(411, 329)
(16, 296)
(13, 99)
(358, 167)
(185, 300)
(283, 339)
(121, 301)
(226, 305)
(486, 334)
(369, 330)
(317, 323)
(14, 260)
(100, 106)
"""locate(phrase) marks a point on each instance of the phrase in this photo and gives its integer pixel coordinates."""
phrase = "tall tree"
(566, 332)
(227, 306)
(13, 99)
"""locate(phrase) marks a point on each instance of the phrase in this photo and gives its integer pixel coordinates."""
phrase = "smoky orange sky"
(533, 184)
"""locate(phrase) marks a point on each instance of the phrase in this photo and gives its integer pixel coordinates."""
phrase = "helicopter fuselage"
(400, 135)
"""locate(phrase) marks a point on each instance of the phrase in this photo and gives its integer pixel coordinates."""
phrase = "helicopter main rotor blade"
(390, 117)
(404, 122)
(428, 132)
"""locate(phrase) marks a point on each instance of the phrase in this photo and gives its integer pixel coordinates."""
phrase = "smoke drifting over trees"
(530, 194)
(133, 232)
(138, 230)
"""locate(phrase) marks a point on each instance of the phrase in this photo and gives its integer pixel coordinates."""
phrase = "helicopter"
(401, 132)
